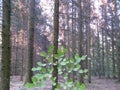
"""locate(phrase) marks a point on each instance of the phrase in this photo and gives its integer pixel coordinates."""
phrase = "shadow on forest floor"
(97, 84)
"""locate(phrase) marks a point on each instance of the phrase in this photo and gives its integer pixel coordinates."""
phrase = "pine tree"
(55, 41)
(6, 47)
(29, 73)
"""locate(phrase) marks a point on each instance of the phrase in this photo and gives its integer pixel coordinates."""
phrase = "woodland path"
(97, 84)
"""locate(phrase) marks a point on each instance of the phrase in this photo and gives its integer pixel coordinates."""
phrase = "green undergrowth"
(65, 68)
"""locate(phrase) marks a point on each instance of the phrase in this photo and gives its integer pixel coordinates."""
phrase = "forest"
(59, 44)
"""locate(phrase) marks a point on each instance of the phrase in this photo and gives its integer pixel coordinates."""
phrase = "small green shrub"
(64, 65)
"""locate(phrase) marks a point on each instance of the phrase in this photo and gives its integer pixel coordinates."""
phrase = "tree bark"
(55, 42)
(80, 32)
(6, 47)
(31, 26)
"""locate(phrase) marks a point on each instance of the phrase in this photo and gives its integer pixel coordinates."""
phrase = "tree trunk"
(103, 54)
(117, 32)
(98, 50)
(31, 26)
(6, 47)
(107, 59)
(80, 32)
(113, 50)
(55, 41)
(73, 38)
(88, 31)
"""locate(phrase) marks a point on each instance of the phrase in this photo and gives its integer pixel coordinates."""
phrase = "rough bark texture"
(80, 51)
(55, 41)
(73, 37)
(89, 40)
(31, 41)
(98, 50)
(103, 54)
(113, 50)
(106, 40)
(6, 47)
(117, 22)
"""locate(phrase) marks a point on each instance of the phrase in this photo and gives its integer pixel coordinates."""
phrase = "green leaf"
(71, 60)
(83, 57)
(49, 75)
(50, 60)
(86, 76)
(29, 85)
(53, 83)
(69, 82)
(60, 53)
(50, 70)
(64, 60)
(64, 49)
(58, 87)
(74, 88)
(82, 87)
(43, 65)
(55, 63)
(63, 63)
(56, 56)
(70, 71)
(44, 54)
(61, 59)
(65, 87)
(60, 71)
(34, 79)
(78, 59)
(77, 84)
(81, 71)
(41, 84)
(77, 68)
(50, 50)
(39, 63)
(53, 80)
(36, 68)
(43, 70)
(38, 76)
(66, 76)
(85, 70)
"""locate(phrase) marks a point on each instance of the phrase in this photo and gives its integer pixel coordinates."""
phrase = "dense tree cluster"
(86, 27)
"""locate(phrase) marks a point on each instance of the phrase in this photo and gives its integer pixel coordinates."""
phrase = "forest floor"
(97, 84)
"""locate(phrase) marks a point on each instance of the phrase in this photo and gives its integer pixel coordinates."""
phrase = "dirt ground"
(103, 84)
(97, 84)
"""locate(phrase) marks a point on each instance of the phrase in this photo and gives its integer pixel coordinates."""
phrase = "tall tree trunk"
(16, 52)
(55, 41)
(88, 31)
(22, 58)
(113, 49)
(98, 50)
(106, 40)
(117, 27)
(80, 32)
(6, 47)
(107, 59)
(31, 26)
(73, 37)
(103, 54)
